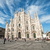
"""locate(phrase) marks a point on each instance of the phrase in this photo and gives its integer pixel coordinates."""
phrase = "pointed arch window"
(27, 27)
(33, 27)
(27, 35)
(12, 29)
(34, 35)
(19, 25)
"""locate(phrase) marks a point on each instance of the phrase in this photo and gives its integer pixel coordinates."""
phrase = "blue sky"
(9, 7)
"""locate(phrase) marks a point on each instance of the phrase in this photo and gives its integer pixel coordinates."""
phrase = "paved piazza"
(22, 45)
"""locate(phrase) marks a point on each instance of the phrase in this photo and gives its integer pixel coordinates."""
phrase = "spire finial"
(6, 22)
(28, 12)
(36, 14)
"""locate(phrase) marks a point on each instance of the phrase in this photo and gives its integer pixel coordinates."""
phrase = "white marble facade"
(23, 26)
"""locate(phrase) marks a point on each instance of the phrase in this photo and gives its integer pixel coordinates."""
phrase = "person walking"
(25, 40)
(4, 40)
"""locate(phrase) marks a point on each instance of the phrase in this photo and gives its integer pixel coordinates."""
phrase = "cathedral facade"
(23, 26)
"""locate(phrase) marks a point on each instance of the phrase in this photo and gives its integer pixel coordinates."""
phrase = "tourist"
(4, 40)
(25, 40)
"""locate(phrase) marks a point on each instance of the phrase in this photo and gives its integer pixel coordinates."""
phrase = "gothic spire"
(28, 13)
(36, 15)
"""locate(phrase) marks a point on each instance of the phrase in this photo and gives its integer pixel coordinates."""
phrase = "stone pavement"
(22, 45)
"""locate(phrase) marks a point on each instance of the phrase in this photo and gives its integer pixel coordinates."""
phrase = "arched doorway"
(19, 35)
(27, 35)
(34, 35)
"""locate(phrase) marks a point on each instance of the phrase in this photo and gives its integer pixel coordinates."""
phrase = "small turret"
(29, 15)
(11, 19)
(6, 22)
(6, 30)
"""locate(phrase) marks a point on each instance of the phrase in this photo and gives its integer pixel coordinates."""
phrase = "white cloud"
(33, 9)
(45, 19)
(3, 15)
(48, 4)
(10, 3)
(26, 4)
(2, 20)
(1, 3)
(48, 21)
(37, 2)
(39, 9)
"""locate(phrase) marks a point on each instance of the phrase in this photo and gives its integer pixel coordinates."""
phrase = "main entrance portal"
(19, 35)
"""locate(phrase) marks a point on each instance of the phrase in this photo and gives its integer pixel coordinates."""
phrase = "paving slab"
(22, 45)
